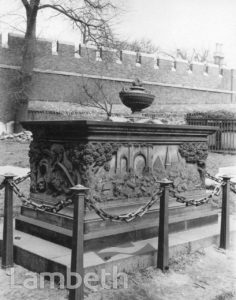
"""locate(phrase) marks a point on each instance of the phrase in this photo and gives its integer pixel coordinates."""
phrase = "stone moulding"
(117, 131)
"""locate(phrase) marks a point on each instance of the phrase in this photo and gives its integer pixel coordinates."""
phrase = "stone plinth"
(119, 162)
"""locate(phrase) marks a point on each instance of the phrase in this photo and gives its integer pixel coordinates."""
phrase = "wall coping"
(63, 73)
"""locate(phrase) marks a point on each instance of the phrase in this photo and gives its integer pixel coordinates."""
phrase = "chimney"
(218, 55)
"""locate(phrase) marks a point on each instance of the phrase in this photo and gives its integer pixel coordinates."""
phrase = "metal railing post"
(163, 237)
(77, 254)
(224, 228)
(7, 245)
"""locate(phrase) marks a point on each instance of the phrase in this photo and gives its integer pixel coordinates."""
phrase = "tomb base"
(121, 164)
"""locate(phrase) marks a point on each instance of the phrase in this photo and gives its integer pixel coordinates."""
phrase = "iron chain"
(232, 184)
(90, 203)
(21, 179)
(106, 216)
(201, 201)
(124, 217)
(42, 207)
(16, 181)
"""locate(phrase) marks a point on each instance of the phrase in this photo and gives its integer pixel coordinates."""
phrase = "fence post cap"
(79, 188)
(165, 181)
(226, 177)
(9, 175)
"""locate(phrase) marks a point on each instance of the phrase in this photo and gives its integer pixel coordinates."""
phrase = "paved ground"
(209, 274)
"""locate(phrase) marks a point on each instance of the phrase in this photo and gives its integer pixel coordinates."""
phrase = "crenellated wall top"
(47, 51)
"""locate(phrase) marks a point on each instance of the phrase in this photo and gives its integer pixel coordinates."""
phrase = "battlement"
(60, 70)
(64, 55)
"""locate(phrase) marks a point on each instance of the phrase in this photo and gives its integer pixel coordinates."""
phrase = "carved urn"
(136, 97)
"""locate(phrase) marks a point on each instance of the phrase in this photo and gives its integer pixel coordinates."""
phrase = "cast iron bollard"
(7, 245)
(163, 238)
(77, 255)
(224, 229)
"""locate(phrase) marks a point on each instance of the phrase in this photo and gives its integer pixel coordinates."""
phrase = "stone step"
(93, 222)
(39, 255)
(116, 233)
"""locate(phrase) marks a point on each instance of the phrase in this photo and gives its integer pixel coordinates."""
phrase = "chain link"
(42, 207)
(232, 187)
(28, 202)
(208, 175)
(124, 217)
(201, 201)
(3, 183)
(21, 179)
(16, 181)
(232, 184)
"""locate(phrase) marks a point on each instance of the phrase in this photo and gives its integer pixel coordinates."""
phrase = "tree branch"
(26, 4)
(90, 16)
(102, 102)
(68, 13)
(98, 6)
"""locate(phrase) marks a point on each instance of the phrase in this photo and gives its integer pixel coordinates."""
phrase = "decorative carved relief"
(159, 169)
(55, 167)
(110, 170)
(52, 171)
(123, 164)
(194, 152)
(127, 186)
(139, 164)
(89, 158)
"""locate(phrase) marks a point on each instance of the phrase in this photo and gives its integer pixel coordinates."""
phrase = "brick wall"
(60, 74)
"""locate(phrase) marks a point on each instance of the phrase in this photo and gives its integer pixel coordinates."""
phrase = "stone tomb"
(120, 163)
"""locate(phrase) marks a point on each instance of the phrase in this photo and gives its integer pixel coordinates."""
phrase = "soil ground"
(209, 274)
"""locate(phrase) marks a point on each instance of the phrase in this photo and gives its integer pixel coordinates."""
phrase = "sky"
(170, 24)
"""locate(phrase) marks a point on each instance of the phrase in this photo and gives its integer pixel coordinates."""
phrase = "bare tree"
(147, 46)
(97, 96)
(92, 17)
(195, 55)
(142, 45)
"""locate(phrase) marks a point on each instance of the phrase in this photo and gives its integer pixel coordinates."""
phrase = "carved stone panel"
(112, 170)
(139, 164)
(123, 164)
(56, 167)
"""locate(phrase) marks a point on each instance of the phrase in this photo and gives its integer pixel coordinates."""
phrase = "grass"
(225, 296)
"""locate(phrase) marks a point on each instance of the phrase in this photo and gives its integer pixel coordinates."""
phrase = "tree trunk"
(27, 65)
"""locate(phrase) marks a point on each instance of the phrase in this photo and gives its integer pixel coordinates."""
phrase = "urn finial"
(136, 97)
